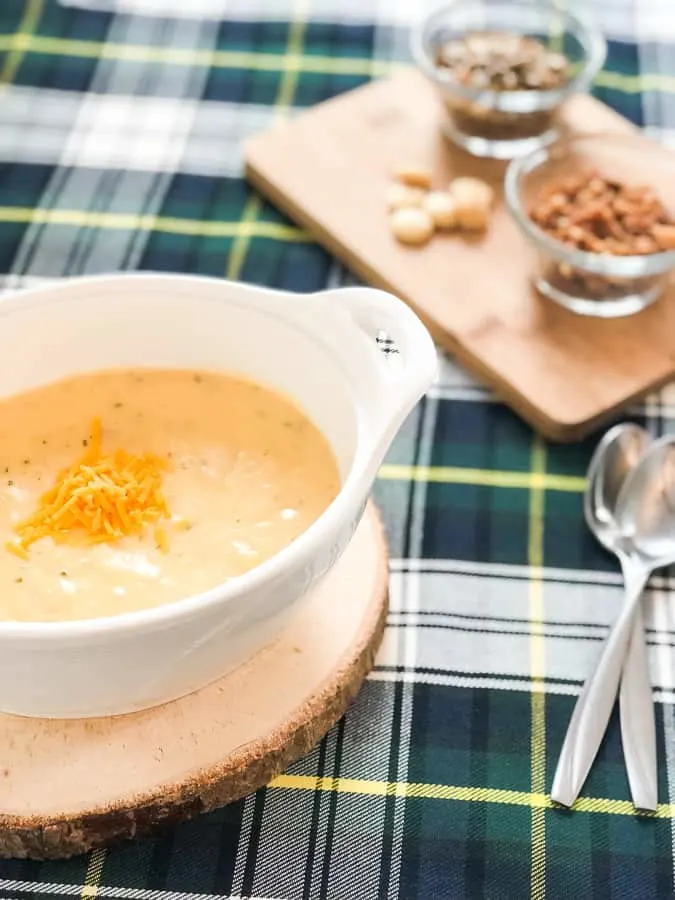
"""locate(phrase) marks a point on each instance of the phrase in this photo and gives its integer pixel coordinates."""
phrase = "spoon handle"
(638, 727)
(594, 706)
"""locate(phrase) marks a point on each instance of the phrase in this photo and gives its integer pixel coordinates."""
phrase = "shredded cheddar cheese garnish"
(17, 549)
(100, 498)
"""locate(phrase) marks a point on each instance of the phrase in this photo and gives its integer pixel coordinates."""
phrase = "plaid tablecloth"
(121, 129)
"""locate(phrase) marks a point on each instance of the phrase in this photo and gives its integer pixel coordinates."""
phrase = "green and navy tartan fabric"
(121, 130)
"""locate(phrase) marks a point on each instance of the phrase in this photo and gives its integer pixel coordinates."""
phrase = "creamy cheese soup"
(246, 473)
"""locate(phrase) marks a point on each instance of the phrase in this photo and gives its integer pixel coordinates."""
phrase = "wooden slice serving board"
(329, 169)
(70, 786)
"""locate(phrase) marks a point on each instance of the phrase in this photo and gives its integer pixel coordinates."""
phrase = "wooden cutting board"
(329, 169)
(71, 785)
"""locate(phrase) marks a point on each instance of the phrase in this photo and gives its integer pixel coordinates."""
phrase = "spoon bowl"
(615, 457)
(646, 505)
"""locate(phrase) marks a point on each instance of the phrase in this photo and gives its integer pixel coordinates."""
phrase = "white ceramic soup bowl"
(318, 349)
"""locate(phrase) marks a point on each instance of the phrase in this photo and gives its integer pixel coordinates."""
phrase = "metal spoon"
(614, 460)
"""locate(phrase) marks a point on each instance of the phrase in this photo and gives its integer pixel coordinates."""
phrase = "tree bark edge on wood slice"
(244, 771)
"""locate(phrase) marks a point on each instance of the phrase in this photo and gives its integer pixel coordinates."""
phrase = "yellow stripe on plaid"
(535, 558)
(245, 230)
(218, 59)
(635, 84)
(92, 879)
(273, 62)
(77, 218)
(370, 788)
(483, 477)
(284, 100)
(19, 41)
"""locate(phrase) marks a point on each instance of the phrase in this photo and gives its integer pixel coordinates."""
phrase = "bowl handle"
(400, 386)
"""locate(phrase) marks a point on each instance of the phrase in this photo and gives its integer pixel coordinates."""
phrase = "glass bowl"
(507, 123)
(589, 283)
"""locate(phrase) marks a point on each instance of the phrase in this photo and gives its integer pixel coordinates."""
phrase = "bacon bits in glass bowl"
(504, 68)
(600, 212)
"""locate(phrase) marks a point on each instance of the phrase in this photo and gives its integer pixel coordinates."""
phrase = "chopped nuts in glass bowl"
(503, 69)
(600, 212)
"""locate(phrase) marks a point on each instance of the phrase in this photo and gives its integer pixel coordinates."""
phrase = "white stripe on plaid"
(122, 131)
(72, 185)
(475, 624)
(492, 683)
(507, 571)
(617, 18)
(119, 893)
(322, 10)
(155, 133)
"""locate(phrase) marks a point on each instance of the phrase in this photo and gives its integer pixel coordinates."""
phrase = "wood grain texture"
(329, 169)
(71, 786)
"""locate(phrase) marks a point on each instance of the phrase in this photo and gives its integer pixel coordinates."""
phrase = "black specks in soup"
(245, 474)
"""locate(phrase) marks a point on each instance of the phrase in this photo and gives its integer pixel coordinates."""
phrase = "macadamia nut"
(400, 195)
(411, 225)
(473, 202)
(415, 176)
(416, 211)
(441, 207)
